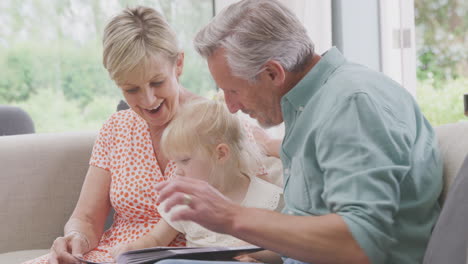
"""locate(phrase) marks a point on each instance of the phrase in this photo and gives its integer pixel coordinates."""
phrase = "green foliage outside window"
(441, 32)
(441, 106)
(51, 58)
(442, 42)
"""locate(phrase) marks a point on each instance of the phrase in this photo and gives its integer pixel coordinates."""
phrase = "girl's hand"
(246, 258)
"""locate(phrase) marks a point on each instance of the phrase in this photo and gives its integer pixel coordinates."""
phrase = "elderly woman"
(142, 56)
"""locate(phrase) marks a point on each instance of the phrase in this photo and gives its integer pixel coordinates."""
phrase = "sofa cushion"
(40, 180)
(17, 257)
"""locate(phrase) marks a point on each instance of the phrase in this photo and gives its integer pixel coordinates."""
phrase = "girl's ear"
(223, 152)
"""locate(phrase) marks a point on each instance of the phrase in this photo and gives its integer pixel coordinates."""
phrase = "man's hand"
(206, 205)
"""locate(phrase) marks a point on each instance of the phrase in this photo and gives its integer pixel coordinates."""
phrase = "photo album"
(155, 254)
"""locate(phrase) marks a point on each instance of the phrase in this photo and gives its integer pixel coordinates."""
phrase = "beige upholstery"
(41, 176)
(21, 255)
(453, 144)
(40, 180)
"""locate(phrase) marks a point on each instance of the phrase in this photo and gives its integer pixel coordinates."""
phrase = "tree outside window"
(442, 42)
(51, 57)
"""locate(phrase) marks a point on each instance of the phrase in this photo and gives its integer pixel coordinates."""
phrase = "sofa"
(41, 177)
(40, 181)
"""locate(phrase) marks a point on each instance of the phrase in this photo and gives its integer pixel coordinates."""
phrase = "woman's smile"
(155, 111)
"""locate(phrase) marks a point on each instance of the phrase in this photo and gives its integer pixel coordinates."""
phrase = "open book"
(152, 255)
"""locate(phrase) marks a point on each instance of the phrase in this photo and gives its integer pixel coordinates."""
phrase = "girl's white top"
(260, 194)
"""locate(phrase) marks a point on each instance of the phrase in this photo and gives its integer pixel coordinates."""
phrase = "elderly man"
(362, 172)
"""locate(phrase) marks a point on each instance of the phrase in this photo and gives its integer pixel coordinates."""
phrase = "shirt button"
(290, 212)
(286, 171)
(301, 108)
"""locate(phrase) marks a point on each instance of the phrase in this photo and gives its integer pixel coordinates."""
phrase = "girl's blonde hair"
(201, 126)
(134, 37)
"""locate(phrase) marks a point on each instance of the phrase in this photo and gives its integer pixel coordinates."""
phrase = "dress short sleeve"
(100, 156)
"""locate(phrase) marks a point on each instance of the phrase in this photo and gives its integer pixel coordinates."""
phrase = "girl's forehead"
(178, 154)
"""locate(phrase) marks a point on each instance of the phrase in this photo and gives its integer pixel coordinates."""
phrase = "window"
(51, 52)
(419, 43)
(442, 51)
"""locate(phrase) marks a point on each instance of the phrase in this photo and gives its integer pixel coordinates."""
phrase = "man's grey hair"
(252, 32)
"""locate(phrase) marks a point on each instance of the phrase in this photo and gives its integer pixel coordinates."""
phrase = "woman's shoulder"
(123, 115)
(123, 120)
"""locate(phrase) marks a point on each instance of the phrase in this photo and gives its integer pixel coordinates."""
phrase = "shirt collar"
(301, 93)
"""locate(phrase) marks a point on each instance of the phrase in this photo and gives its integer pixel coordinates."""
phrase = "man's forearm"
(315, 239)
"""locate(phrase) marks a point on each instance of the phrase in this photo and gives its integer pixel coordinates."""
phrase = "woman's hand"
(66, 248)
(85, 227)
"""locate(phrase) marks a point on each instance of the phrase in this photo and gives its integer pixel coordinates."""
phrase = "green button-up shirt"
(357, 145)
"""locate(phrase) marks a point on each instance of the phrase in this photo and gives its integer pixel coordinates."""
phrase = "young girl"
(209, 143)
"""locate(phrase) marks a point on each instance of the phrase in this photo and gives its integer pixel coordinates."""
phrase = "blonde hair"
(201, 126)
(253, 32)
(135, 36)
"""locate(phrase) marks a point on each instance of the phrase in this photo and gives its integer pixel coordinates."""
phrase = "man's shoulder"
(354, 80)
(351, 78)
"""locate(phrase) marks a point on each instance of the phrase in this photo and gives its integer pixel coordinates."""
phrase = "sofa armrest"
(40, 181)
(448, 243)
(453, 145)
